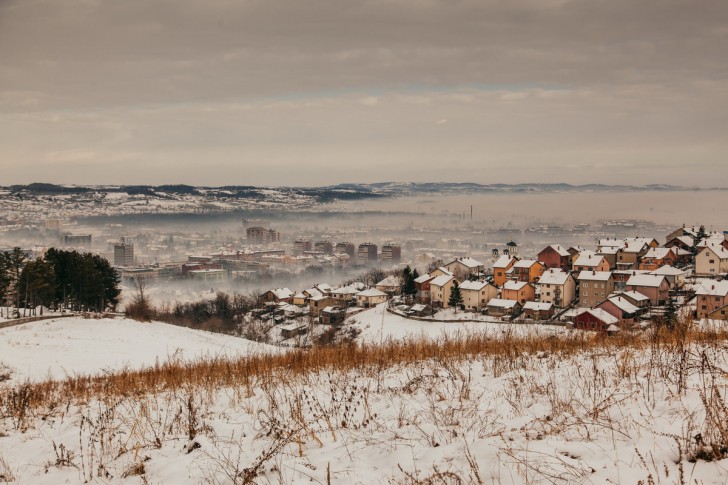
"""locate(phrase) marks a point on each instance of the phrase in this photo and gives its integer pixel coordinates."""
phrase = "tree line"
(60, 279)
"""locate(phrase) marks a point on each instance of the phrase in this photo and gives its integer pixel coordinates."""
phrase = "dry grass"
(209, 375)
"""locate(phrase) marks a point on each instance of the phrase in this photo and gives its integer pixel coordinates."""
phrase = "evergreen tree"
(456, 296)
(408, 282)
(670, 316)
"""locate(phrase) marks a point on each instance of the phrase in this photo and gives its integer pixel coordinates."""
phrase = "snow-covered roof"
(538, 306)
(718, 250)
(312, 292)
(707, 287)
(589, 259)
(635, 295)
(610, 242)
(608, 250)
(634, 246)
(647, 280)
(469, 262)
(442, 280)
(553, 277)
(559, 249)
(504, 261)
(623, 304)
(418, 307)
(423, 279)
(371, 292)
(282, 293)
(473, 285)
(500, 303)
(686, 240)
(668, 270)
(589, 275)
(345, 290)
(389, 281)
(525, 263)
(514, 285)
(657, 253)
(601, 315)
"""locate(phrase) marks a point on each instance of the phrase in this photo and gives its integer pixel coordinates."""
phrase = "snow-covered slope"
(378, 325)
(70, 346)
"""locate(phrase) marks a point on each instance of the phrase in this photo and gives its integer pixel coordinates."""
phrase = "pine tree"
(456, 297)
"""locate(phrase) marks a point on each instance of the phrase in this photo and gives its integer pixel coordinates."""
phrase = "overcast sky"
(314, 92)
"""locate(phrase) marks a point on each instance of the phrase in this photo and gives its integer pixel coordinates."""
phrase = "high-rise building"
(324, 247)
(367, 253)
(345, 247)
(392, 253)
(261, 235)
(300, 246)
(77, 240)
(123, 254)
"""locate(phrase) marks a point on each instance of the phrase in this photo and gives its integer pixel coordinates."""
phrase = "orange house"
(520, 291)
(501, 267)
(657, 257)
(528, 270)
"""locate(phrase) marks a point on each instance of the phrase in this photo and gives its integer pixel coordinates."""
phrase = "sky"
(318, 92)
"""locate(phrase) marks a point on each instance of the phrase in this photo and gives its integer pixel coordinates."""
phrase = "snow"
(72, 346)
(377, 325)
(597, 417)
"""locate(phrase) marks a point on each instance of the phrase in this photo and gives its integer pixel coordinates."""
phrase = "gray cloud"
(316, 92)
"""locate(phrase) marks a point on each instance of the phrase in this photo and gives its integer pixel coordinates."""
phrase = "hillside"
(71, 346)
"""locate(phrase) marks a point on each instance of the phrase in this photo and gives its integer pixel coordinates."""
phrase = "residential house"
(477, 294)
(594, 319)
(610, 254)
(557, 287)
(555, 256)
(685, 243)
(390, 285)
(637, 299)
(318, 303)
(590, 261)
(674, 276)
(277, 295)
(621, 308)
(594, 287)
(656, 257)
(422, 283)
(622, 275)
(463, 268)
(305, 296)
(536, 310)
(628, 256)
(654, 287)
(711, 261)
(520, 291)
(503, 308)
(332, 315)
(501, 268)
(528, 270)
(712, 299)
(440, 289)
(370, 298)
(345, 296)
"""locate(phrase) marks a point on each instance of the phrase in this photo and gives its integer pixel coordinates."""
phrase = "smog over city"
(406, 241)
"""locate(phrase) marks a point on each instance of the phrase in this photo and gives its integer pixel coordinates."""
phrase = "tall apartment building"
(77, 239)
(261, 235)
(324, 247)
(391, 253)
(345, 247)
(123, 254)
(300, 246)
(367, 253)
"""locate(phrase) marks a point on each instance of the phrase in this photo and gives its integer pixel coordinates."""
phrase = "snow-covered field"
(590, 417)
(379, 325)
(650, 413)
(71, 346)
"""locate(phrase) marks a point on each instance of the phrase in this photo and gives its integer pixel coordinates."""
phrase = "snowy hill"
(71, 346)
